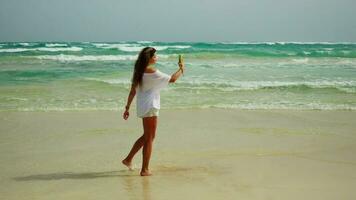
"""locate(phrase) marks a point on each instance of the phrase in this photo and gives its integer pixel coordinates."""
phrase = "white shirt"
(148, 94)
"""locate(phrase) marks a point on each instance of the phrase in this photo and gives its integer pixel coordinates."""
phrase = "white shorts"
(152, 112)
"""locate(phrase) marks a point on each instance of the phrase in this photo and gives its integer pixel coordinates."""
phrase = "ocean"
(61, 76)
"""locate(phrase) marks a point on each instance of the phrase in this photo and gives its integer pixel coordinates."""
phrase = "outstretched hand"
(126, 115)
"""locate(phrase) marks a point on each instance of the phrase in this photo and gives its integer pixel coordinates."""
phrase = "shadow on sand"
(73, 175)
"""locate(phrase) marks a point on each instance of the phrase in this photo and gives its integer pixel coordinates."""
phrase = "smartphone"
(180, 58)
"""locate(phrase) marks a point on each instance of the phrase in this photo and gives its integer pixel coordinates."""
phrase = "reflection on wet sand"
(132, 186)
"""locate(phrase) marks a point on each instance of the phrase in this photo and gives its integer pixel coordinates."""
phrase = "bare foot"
(127, 164)
(145, 173)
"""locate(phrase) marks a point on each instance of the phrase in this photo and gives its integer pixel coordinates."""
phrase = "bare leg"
(135, 148)
(149, 124)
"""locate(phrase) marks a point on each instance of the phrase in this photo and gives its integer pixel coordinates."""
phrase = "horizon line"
(152, 41)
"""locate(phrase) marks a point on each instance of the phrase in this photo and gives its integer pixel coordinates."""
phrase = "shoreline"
(187, 109)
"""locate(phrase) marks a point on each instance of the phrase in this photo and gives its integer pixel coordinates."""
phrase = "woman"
(147, 81)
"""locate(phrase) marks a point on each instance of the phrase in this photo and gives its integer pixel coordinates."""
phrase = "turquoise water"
(96, 76)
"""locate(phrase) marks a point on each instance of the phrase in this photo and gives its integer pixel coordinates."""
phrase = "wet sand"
(203, 153)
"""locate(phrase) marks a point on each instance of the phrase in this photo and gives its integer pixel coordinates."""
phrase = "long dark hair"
(141, 64)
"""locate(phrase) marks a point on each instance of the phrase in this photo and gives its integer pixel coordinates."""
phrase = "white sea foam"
(328, 49)
(114, 45)
(301, 60)
(229, 86)
(252, 85)
(130, 48)
(123, 47)
(247, 43)
(100, 44)
(244, 106)
(286, 42)
(136, 47)
(60, 49)
(14, 50)
(56, 45)
(24, 44)
(283, 105)
(144, 42)
(27, 44)
(110, 81)
(347, 89)
(158, 48)
(63, 57)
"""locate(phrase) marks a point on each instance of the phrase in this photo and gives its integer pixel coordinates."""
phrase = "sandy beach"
(197, 154)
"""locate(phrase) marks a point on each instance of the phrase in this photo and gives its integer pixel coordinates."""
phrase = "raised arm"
(129, 100)
(177, 74)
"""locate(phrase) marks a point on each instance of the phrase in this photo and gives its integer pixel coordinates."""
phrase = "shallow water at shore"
(96, 76)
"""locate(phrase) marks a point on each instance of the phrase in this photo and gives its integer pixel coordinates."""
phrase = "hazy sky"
(183, 20)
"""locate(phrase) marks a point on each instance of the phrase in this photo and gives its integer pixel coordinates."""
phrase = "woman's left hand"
(126, 115)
